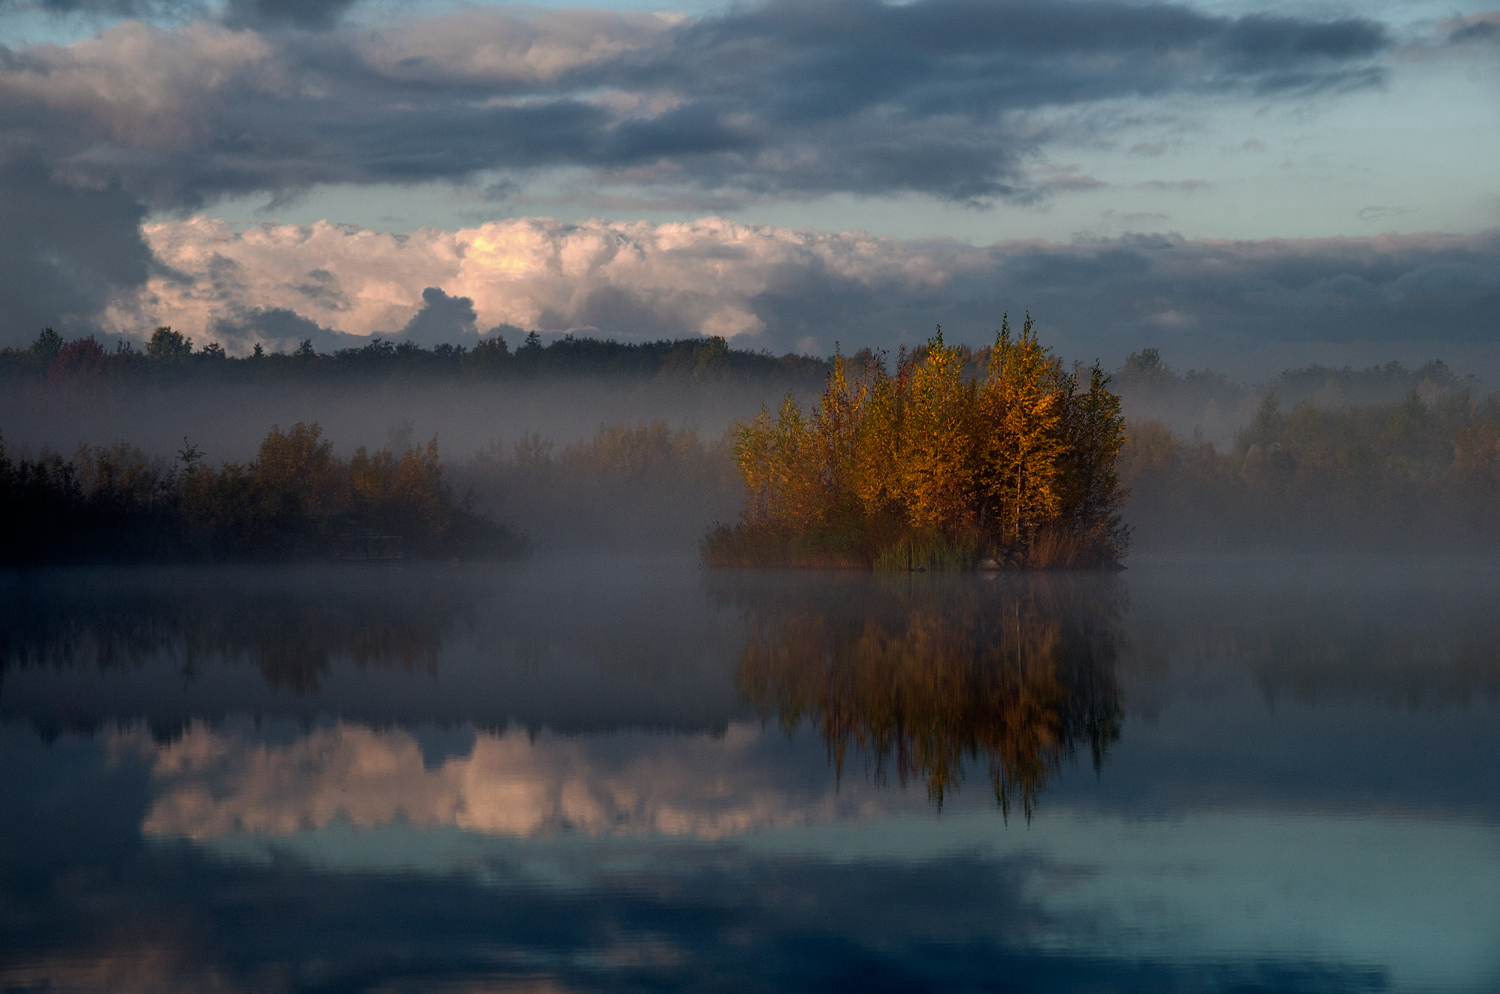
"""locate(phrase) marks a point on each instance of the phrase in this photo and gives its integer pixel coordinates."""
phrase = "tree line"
(1408, 475)
(954, 457)
(170, 357)
(295, 500)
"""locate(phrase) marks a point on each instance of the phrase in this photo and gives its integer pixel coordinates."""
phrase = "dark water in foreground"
(1199, 775)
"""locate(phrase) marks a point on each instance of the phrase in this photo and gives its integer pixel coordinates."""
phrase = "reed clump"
(955, 458)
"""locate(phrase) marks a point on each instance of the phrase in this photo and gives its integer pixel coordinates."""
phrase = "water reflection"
(292, 625)
(275, 782)
(931, 675)
(579, 779)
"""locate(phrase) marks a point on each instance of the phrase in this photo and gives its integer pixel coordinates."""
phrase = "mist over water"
(632, 771)
(608, 767)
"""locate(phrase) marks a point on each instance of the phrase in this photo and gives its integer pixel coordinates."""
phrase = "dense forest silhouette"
(935, 466)
(295, 500)
(911, 467)
(169, 358)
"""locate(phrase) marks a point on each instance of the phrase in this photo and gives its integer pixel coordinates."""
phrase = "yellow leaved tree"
(936, 465)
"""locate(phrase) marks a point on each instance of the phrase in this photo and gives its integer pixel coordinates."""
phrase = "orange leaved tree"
(936, 466)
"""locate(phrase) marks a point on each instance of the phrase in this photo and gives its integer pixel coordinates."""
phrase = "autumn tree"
(1015, 461)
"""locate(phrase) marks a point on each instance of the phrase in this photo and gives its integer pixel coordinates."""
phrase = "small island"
(961, 459)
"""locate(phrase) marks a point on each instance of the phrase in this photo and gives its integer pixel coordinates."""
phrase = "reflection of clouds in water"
(216, 782)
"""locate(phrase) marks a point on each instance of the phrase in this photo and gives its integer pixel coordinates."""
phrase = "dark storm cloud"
(1236, 305)
(312, 14)
(1108, 299)
(62, 249)
(441, 319)
(276, 329)
(935, 97)
(952, 99)
(102, 8)
(1479, 29)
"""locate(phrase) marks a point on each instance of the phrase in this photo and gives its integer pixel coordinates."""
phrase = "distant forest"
(1379, 459)
(296, 500)
(170, 358)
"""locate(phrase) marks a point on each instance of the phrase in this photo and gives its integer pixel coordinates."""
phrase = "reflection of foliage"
(290, 627)
(935, 673)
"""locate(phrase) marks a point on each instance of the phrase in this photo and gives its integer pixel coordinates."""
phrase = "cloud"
(105, 8)
(952, 99)
(307, 14)
(934, 97)
(780, 288)
(276, 329)
(1173, 186)
(210, 783)
(65, 248)
(312, 14)
(441, 319)
(1476, 29)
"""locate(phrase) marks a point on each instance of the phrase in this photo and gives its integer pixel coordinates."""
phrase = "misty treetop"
(1409, 475)
(170, 357)
(295, 500)
(647, 485)
(936, 466)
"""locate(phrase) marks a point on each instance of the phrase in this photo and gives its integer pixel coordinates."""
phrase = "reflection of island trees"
(291, 627)
(931, 675)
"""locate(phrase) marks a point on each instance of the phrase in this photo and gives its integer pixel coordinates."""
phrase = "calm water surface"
(1197, 775)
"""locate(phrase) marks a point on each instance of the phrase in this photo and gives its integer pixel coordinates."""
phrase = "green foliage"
(167, 345)
(46, 346)
(920, 552)
(1146, 362)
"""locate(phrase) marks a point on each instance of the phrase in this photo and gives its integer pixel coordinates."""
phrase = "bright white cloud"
(1205, 301)
(211, 783)
(631, 278)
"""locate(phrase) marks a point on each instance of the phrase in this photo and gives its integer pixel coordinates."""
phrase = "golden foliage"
(1016, 462)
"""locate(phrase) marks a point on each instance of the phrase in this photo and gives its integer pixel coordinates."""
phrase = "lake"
(1204, 774)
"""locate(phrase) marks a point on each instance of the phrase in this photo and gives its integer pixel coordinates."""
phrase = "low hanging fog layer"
(1381, 457)
(228, 421)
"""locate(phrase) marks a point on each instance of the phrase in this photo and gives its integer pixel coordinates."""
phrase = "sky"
(1244, 185)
